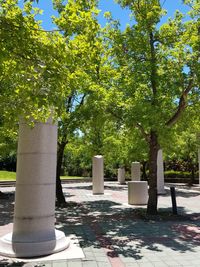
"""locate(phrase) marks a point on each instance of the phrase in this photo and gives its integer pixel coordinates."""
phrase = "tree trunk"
(153, 152)
(59, 192)
(144, 174)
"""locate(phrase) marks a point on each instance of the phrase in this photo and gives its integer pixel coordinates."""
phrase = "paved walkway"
(114, 234)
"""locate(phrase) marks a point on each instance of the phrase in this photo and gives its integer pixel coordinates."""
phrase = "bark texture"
(153, 152)
(59, 192)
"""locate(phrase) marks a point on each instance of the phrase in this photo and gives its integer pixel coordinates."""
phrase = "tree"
(78, 22)
(68, 124)
(159, 74)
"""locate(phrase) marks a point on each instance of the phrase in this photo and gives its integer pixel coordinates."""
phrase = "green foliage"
(77, 161)
(152, 64)
(8, 142)
(146, 12)
(32, 65)
(8, 148)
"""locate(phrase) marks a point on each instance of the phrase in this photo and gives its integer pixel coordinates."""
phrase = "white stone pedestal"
(97, 175)
(121, 175)
(34, 215)
(137, 192)
(135, 171)
(160, 174)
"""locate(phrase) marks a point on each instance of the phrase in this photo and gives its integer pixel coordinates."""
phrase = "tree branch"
(153, 67)
(82, 100)
(113, 113)
(182, 105)
(145, 135)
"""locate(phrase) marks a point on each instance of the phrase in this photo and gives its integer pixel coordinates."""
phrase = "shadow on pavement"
(3, 263)
(7, 209)
(124, 231)
(120, 230)
(182, 193)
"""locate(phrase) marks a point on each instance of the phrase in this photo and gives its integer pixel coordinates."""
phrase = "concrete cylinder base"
(121, 176)
(137, 193)
(135, 171)
(97, 175)
(12, 249)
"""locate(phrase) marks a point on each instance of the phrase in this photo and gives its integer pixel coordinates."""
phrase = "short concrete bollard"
(97, 175)
(121, 176)
(173, 197)
(137, 192)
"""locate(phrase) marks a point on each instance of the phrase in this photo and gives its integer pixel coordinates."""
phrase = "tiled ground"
(111, 233)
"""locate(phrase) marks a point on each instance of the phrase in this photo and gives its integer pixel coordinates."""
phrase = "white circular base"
(33, 249)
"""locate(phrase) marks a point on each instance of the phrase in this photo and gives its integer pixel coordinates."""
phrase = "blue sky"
(106, 5)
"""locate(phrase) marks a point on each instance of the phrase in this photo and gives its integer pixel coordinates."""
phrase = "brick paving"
(114, 234)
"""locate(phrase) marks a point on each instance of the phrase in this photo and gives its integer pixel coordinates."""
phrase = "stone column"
(199, 163)
(98, 175)
(121, 176)
(160, 173)
(34, 214)
(135, 171)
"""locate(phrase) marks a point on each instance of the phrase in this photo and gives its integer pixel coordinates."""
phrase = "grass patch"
(7, 176)
(11, 176)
